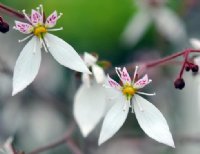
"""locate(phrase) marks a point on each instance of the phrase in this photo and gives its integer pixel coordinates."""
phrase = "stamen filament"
(41, 11)
(60, 15)
(147, 94)
(55, 29)
(135, 73)
(24, 39)
(26, 16)
(118, 70)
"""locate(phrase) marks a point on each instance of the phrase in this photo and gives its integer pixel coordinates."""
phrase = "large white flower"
(154, 11)
(90, 97)
(149, 117)
(28, 62)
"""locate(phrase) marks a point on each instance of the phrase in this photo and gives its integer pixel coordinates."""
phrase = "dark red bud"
(195, 68)
(187, 68)
(179, 83)
(4, 27)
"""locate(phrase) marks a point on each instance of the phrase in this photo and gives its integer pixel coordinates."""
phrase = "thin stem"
(65, 140)
(164, 60)
(11, 11)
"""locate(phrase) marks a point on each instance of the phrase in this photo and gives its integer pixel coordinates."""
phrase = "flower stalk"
(11, 11)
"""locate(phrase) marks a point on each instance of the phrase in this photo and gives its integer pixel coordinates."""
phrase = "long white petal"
(65, 54)
(27, 65)
(136, 28)
(114, 119)
(89, 107)
(169, 25)
(98, 73)
(152, 121)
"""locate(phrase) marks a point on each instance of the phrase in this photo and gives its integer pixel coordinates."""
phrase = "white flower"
(149, 117)
(154, 11)
(28, 62)
(7, 147)
(90, 97)
(97, 71)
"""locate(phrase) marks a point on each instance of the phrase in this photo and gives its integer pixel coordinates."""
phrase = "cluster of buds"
(179, 83)
(4, 27)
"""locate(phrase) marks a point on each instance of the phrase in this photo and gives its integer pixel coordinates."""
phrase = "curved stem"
(65, 140)
(9, 10)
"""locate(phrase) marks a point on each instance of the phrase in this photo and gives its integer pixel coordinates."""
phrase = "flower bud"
(187, 68)
(4, 27)
(195, 68)
(179, 83)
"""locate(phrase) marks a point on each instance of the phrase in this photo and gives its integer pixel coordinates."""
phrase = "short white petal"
(89, 107)
(136, 28)
(27, 65)
(65, 54)
(169, 25)
(152, 121)
(98, 73)
(89, 59)
(114, 119)
(195, 43)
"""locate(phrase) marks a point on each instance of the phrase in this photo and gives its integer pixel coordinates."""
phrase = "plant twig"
(11, 11)
(65, 140)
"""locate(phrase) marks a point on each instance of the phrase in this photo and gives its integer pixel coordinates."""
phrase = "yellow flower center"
(128, 91)
(38, 31)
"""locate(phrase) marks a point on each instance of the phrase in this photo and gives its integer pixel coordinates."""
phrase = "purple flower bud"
(187, 68)
(195, 68)
(4, 27)
(179, 83)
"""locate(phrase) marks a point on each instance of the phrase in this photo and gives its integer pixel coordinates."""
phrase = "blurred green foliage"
(94, 25)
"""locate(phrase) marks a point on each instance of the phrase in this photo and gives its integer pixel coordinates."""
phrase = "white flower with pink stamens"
(126, 96)
(28, 62)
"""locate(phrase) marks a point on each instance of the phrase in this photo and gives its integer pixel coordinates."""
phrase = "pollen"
(38, 31)
(128, 90)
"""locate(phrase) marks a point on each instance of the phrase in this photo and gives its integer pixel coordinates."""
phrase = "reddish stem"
(187, 52)
(11, 11)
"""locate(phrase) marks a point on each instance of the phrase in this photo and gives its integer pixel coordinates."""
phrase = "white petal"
(36, 18)
(89, 59)
(136, 28)
(51, 20)
(112, 83)
(27, 65)
(89, 107)
(65, 54)
(152, 121)
(195, 43)
(98, 73)
(114, 119)
(86, 79)
(23, 27)
(169, 25)
(142, 82)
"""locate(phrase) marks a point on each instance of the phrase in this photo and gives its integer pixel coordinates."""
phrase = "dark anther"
(179, 83)
(187, 68)
(195, 68)
(4, 27)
